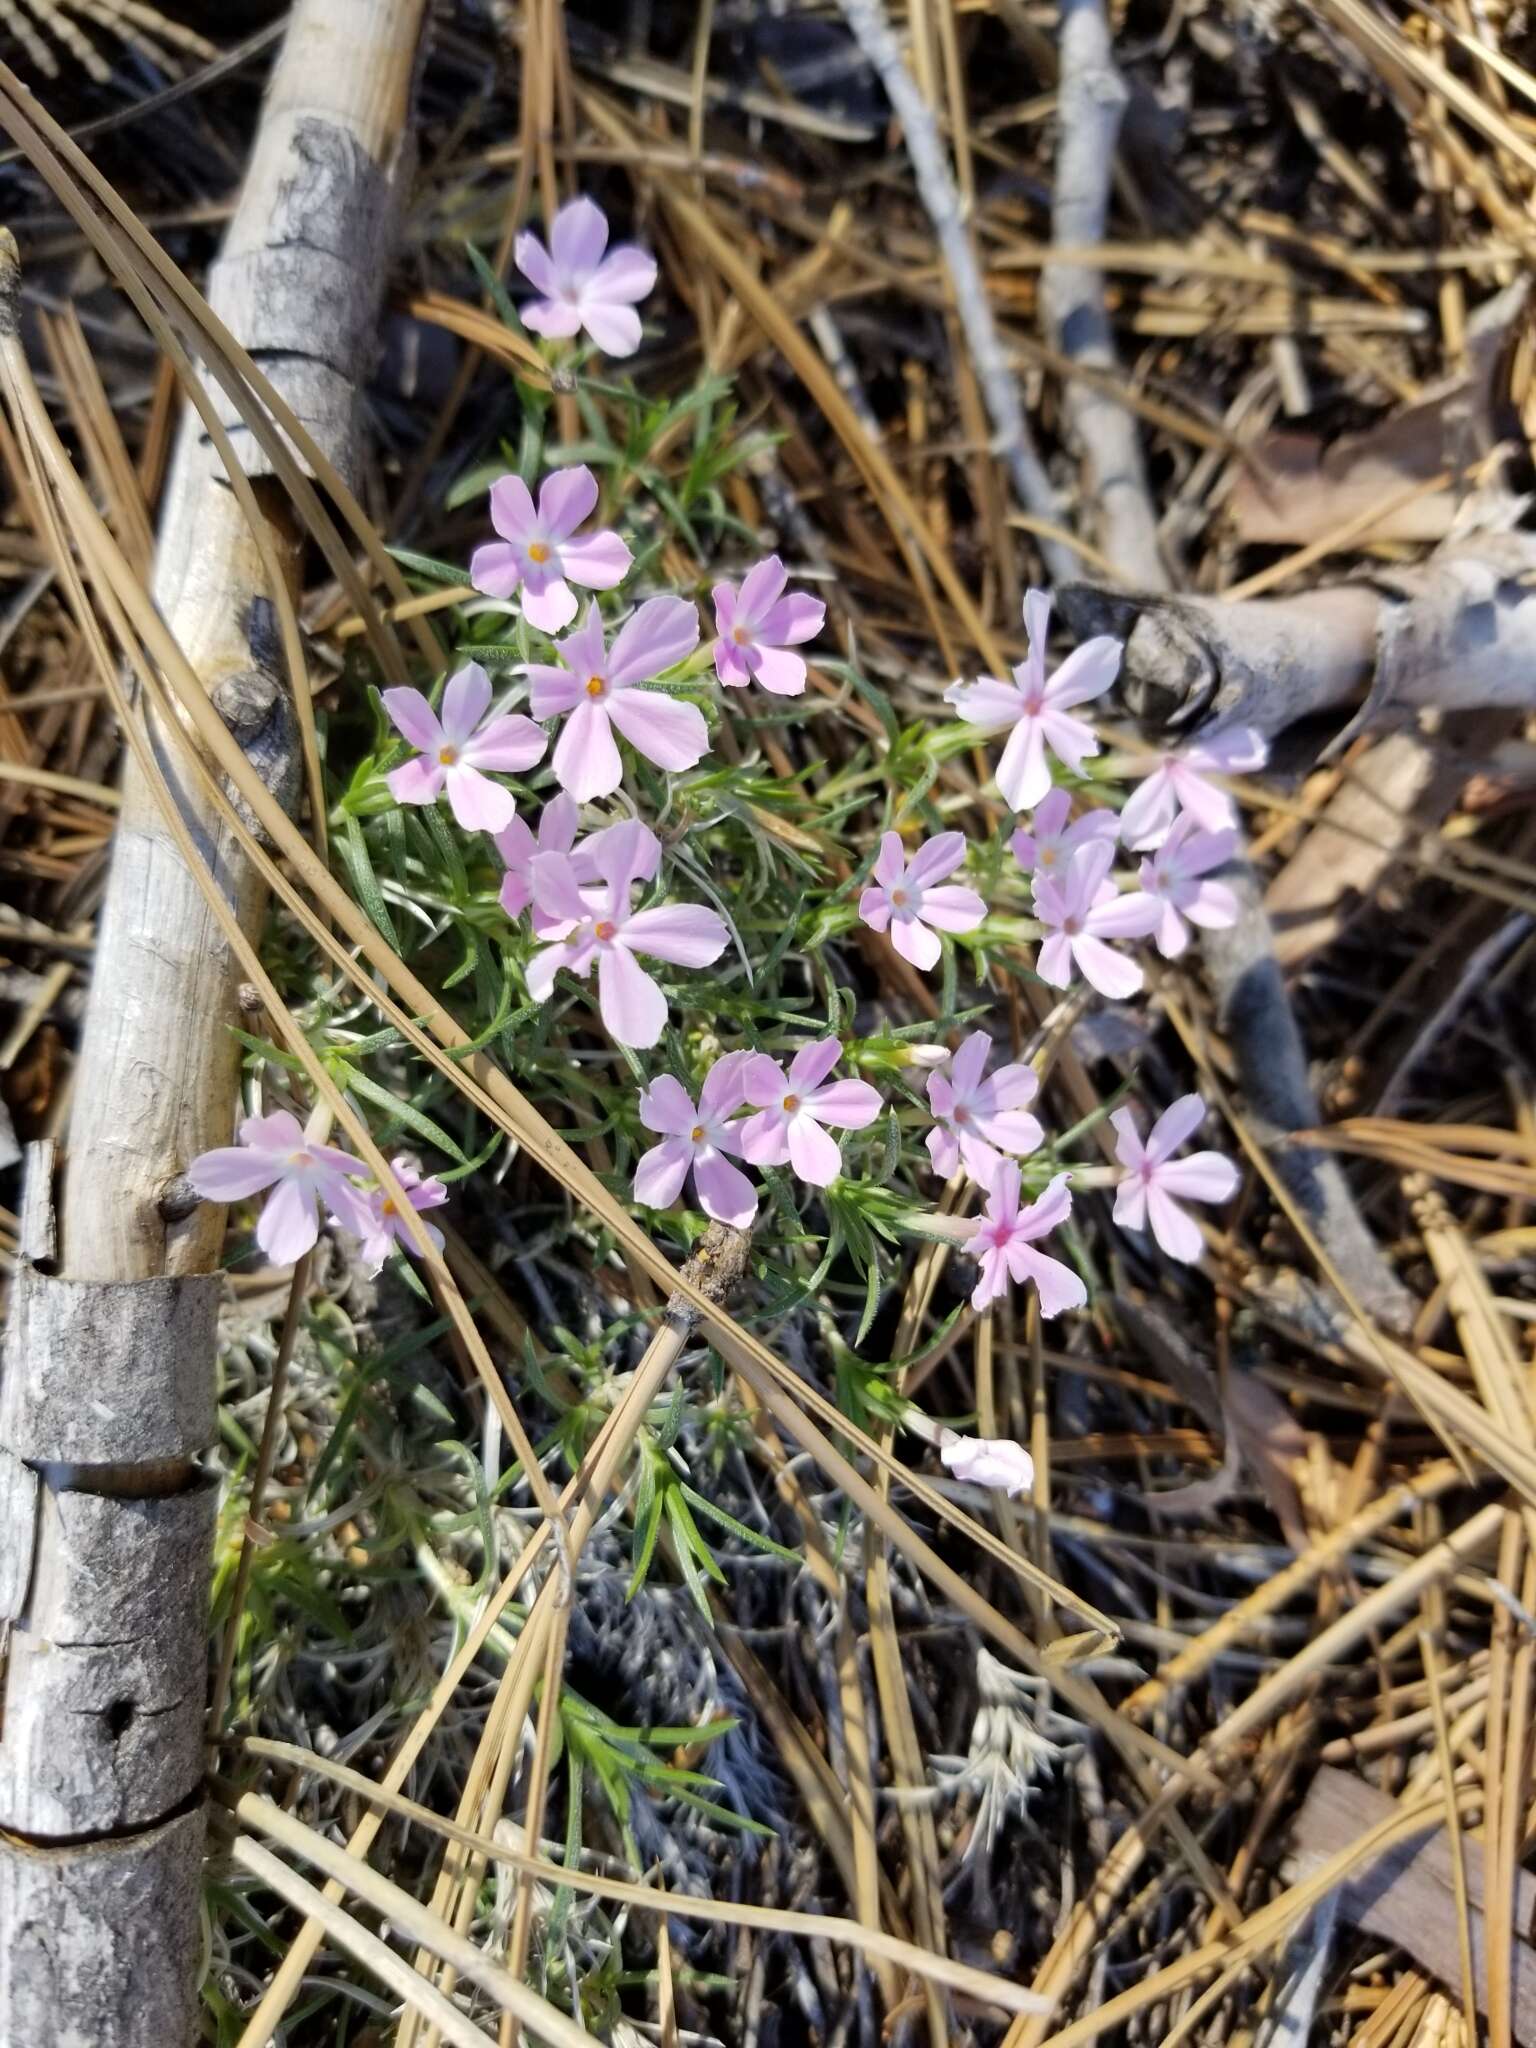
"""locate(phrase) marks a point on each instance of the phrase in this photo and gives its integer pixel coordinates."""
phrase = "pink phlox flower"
(988, 1461)
(458, 747)
(1036, 708)
(981, 1116)
(1004, 1238)
(1155, 1182)
(1048, 841)
(601, 927)
(580, 286)
(599, 689)
(1173, 880)
(1175, 782)
(304, 1177)
(1083, 908)
(794, 1109)
(758, 625)
(388, 1225)
(559, 822)
(540, 551)
(910, 899)
(696, 1138)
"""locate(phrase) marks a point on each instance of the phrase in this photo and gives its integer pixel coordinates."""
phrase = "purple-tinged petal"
(1058, 1287)
(763, 1081)
(1177, 1124)
(764, 1138)
(615, 329)
(566, 498)
(812, 1153)
(477, 804)
(496, 569)
(466, 700)
(936, 858)
(812, 1064)
(953, 908)
(534, 261)
(512, 512)
(289, 1223)
(660, 1173)
(780, 671)
(666, 1106)
(943, 1150)
(916, 943)
(231, 1172)
(1202, 1177)
(507, 745)
(553, 319)
(723, 1190)
(412, 716)
(1131, 1204)
(986, 702)
(723, 1091)
(874, 908)
(851, 1105)
(760, 588)
(1068, 738)
(578, 236)
(597, 561)
(553, 690)
(1054, 961)
(1149, 811)
(1111, 973)
(663, 632)
(1086, 673)
(667, 730)
(550, 608)
(586, 760)
(1174, 1228)
(417, 781)
(687, 934)
(1022, 774)
(634, 1010)
(625, 274)
(797, 616)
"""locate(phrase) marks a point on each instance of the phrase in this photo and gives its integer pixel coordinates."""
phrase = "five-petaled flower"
(581, 287)
(695, 1139)
(988, 1461)
(1037, 709)
(304, 1177)
(388, 1226)
(1173, 879)
(1083, 908)
(981, 1116)
(794, 1108)
(759, 625)
(540, 551)
(1155, 1182)
(1003, 1241)
(458, 747)
(912, 900)
(601, 927)
(1048, 841)
(1175, 782)
(599, 689)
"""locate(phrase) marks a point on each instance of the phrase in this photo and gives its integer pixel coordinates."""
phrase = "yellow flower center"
(738, 634)
(538, 552)
(389, 1208)
(697, 1133)
(595, 686)
(447, 756)
(791, 1103)
(604, 930)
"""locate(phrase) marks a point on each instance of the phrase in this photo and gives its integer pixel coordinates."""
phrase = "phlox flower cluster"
(597, 898)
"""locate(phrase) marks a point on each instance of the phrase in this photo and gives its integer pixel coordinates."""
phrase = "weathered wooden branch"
(107, 1397)
(1456, 632)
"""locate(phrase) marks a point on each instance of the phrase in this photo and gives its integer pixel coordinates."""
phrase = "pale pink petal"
(1050, 1209)
(942, 1091)
(812, 1064)
(797, 616)
(848, 1104)
(1069, 739)
(1172, 933)
(943, 1150)
(1022, 774)
(552, 878)
(621, 855)
(634, 1010)
(411, 715)
(507, 745)
(989, 1461)
(289, 1223)
(660, 1173)
(875, 909)
(993, 1284)
(981, 1160)
(577, 238)
(663, 632)
(1202, 1177)
(231, 1172)
(466, 700)
(936, 858)
(1058, 1286)
(915, 942)
(615, 329)
(1213, 905)
(566, 498)
(516, 844)
(667, 730)
(760, 588)
(1015, 1087)
(1054, 962)
(891, 860)
(723, 1090)
(1177, 1124)
(551, 608)
(559, 822)
(512, 512)
(953, 908)
(1014, 1130)
(477, 805)
(1149, 811)
(812, 1153)
(553, 690)
(586, 760)
(666, 1106)
(1129, 1149)
(1086, 673)
(1131, 1204)
(554, 319)
(1175, 1230)
(779, 670)
(1210, 807)
(723, 1190)
(625, 274)
(763, 1081)
(1130, 916)
(597, 561)
(417, 781)
(495, 569)
(1238, 750)
(1085, 877)
(687, 934)
(731, 664)
(1111, 973)
(1037, 621)
(986, 702)
(764, 1138)
(533, 260)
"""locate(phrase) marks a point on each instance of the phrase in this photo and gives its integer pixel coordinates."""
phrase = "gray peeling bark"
(107, 1397)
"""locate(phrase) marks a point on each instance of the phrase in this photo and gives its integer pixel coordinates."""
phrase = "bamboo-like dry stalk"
(101, 1751)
